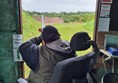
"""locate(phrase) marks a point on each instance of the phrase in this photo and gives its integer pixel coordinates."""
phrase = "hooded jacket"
(42, 59)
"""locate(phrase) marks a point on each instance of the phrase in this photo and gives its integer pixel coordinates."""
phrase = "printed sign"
(105, 10)
(17, 40)
(17, 56)
(106, 1)
(103, 24)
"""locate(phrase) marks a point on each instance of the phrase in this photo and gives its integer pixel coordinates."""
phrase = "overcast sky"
(59, 5)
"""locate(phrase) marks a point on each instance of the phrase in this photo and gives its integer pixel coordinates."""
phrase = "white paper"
(21, 80)
(17, 56)
(105, 10)
(103, 24)
(17, 40)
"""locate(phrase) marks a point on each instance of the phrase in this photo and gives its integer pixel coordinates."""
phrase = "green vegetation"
(67, 17)
(74, 22)
(30, 26)
(67, 30)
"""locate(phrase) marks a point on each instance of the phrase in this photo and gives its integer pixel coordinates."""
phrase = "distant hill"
(65, 16)
(49, 20)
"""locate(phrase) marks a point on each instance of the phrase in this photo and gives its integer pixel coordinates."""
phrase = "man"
(42, 59)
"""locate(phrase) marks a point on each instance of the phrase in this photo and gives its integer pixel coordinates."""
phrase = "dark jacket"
(42, 59)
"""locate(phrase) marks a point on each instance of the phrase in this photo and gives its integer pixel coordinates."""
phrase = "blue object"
(113, 51)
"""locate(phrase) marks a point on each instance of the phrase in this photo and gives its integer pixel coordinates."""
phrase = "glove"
(39, 40)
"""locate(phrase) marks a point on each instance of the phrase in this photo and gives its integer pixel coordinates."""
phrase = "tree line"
(67, 17)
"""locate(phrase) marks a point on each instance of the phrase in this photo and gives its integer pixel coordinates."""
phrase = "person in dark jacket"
(42, 59)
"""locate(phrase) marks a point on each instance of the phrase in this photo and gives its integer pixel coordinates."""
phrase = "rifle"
(43, 25)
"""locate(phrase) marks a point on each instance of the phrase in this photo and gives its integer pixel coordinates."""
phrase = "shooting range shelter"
(10, 24)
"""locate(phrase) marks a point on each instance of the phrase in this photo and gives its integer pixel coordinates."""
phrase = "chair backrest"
(73, 68)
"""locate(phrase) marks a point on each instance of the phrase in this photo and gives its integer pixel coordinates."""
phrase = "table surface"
(108, 54)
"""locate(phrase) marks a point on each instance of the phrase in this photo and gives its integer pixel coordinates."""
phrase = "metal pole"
(20, 31)
(20, 17)
(96, 18)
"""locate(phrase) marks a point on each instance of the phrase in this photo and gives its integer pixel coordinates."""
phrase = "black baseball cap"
(50, 33)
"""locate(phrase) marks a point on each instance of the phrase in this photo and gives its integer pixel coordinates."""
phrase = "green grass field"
(67, 30)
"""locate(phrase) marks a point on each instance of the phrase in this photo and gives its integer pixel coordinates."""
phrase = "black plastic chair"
(74, 70)
(110, 78)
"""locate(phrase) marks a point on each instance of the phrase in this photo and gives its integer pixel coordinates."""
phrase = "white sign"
(105, 10)
(103, 24)
(17, 40)
(17, 56)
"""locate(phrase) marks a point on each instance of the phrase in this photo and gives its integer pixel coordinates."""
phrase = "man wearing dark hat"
(42, 59)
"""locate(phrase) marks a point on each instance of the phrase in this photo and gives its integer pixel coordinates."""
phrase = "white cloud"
(59, 5)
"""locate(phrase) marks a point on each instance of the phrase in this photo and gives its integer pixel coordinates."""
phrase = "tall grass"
(30, 27)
